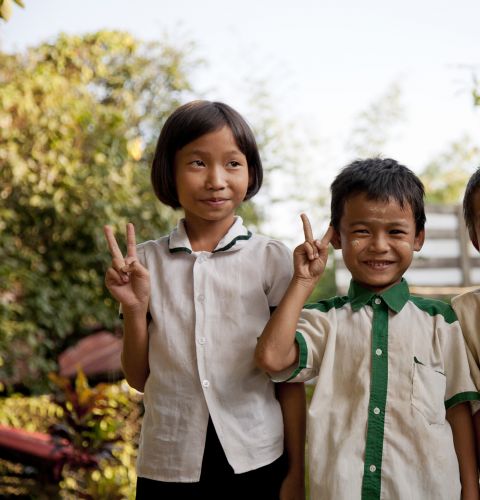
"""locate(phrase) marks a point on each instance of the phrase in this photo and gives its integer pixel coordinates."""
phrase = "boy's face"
(377, 240)
(475, 236)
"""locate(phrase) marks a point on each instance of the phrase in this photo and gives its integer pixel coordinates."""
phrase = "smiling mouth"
(378, 264)
(215, 201)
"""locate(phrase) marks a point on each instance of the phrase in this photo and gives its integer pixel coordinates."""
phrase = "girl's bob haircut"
(189, 122)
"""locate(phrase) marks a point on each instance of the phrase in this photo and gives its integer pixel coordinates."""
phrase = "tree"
(476, 90)
(445, 177)
(6, 7)
(78, 121)
(374, 126)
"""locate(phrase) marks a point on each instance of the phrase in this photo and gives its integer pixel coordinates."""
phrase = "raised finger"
(307, 228)
(327, 237)
(131, 242)
(115, 251)
(310, 250)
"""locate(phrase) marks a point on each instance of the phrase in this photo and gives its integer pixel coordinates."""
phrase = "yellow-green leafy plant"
(6, 8)
(100, 424)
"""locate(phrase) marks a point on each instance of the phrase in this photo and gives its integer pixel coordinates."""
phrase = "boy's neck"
(204, 236)
(374, 289)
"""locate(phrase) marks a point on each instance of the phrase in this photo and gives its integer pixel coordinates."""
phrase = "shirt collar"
(235, 238)
(395, 297)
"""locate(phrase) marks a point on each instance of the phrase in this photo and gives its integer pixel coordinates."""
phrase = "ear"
(419, 240)
(336, 240)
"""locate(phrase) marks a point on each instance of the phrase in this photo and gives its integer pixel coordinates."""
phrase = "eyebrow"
(203, 152)
(400, 222)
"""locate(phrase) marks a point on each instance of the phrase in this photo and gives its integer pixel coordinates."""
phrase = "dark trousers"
(217, 479)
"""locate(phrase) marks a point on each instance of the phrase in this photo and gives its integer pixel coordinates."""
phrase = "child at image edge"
(194, 303)
(390, 416)
(467, 306)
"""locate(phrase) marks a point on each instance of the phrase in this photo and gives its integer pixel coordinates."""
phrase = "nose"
(215, 179)
(379, 243)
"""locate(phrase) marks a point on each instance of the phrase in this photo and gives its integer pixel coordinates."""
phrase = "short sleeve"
(278, 265)
(314, 328)
(459, 383)
(141, 254)
(467, 309)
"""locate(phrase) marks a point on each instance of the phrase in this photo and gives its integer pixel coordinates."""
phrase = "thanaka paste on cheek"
(355, 243)
(408, 244)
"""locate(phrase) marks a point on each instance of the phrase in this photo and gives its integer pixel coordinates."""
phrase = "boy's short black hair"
(473, 186)
(380, 179)
(189, 122)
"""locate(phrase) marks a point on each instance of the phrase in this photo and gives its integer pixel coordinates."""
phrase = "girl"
(193, 304)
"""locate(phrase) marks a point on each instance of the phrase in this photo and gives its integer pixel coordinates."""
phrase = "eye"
(360, 231)
(197, 163)
(234, 164)
(397, 231)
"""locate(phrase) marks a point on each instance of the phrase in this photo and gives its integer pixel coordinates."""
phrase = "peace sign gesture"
(310, 258)
(127, 280)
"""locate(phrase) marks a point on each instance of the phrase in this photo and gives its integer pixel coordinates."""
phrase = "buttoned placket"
(200, 273)
(371, 483)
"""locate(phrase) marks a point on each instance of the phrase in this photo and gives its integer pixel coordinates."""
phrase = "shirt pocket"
(428, 392)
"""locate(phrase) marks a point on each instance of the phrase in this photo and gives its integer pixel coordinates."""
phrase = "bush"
(101, 423)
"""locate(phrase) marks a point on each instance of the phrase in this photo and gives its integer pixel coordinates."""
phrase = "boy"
(467, 306)
(390, 416)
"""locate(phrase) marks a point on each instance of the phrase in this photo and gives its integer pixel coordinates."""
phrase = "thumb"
(137, 269)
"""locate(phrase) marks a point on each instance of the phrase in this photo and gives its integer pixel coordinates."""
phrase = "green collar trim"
(178, 240)
(395, 297)
(178, 249)
(230, 245)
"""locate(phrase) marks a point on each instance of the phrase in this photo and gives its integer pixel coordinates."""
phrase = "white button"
(206, 383)
(372, 468)
(202, 340)
(376, 411)
(378, 300)
(378, 352)
(200, 298)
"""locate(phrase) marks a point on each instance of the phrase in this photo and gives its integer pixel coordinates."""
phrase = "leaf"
(6, 9)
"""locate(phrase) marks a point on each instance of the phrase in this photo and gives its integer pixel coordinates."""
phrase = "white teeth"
(378, 265)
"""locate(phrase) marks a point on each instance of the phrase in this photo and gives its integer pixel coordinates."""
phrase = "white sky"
(324, 61)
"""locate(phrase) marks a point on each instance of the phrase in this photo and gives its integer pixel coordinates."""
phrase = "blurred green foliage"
(78, 121)
(327, 286)
(93, 420)
(375, 126)
(88, 421)
(101, 424)
(34, 414)
(445, 177)
(6, 8)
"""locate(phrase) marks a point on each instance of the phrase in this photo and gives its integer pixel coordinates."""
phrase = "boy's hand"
(310, 258)
(127, 280)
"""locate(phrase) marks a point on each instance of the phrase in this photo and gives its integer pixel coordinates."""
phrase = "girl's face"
(211, 175)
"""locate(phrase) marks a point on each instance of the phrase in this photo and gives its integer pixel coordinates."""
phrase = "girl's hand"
(127, 280)
(293, 487)
(310, 258)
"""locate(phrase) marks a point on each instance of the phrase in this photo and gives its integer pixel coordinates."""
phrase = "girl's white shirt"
(207, 311)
